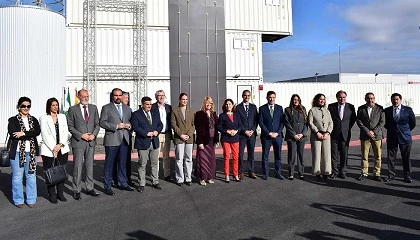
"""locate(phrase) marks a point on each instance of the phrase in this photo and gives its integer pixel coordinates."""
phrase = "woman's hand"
(201, 146)
(18, 134)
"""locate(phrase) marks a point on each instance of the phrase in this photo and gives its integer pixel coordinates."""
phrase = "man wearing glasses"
(249, 118)
(115, 119)
(165, 136)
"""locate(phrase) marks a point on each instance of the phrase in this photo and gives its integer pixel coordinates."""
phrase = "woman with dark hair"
(55, 146)
(321, 125)
(205, 122)
(229, 125)
(182, 122)
(23, 130)
(296, 124)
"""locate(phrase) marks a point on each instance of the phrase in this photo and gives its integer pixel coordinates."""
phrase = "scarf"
(22, 145)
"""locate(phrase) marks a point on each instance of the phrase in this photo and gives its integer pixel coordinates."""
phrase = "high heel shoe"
(237, 179)
(227, 179)
(202, 183)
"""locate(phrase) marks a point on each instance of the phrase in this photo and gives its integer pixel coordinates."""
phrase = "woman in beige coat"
(182, 120)
(321, 125)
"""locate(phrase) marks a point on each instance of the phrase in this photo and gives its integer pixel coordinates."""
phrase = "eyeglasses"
(25, 106)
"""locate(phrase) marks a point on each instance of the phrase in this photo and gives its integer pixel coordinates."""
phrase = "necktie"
(120, 111)
(396, 113)
(341, 109)
(247, 110)
(86, 116)
(271, 111)
(148, 117)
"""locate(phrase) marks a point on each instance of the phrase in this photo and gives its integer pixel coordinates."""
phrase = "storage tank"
(32, 59)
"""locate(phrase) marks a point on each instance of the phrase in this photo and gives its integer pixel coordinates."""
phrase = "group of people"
(156, 125)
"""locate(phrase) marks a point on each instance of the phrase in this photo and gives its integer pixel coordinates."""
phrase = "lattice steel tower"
(92, 72)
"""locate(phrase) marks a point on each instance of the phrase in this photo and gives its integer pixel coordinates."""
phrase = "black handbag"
(5, 160)
(56, 174)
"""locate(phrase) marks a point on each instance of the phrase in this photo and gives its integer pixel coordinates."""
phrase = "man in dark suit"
(165, 136)
(83, 123)
(115, 119)
(271, 123)
(249, 118)
(343, 115)
(399, 122)
(147, 126)
(371, 121)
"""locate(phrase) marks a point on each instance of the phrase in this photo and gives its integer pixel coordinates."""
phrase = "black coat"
(14, 126)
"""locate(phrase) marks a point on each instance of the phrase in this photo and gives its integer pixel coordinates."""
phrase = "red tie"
(86, 114)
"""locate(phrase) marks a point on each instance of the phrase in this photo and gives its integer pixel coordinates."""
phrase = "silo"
(32, 59)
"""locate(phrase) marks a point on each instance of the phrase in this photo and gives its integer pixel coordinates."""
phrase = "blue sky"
(380, 36)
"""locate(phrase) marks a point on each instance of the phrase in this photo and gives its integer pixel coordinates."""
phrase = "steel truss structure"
(92, 72)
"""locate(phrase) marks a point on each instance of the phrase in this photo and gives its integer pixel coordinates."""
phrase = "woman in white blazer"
(55, 144)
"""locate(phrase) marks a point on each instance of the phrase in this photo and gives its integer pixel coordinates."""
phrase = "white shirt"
(27, 142)
(162, 114)
(83, 110)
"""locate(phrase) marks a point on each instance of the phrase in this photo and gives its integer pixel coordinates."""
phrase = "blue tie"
(120, 111)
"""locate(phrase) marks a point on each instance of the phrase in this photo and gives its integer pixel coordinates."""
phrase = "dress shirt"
(162, 113)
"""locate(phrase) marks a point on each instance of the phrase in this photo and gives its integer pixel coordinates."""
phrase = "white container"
(32, 59)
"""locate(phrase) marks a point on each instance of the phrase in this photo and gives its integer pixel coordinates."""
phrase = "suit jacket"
(226, 124)
(14, 126)
(342, 128)
(168, 109)
(375, 122)
(49, 135)
(141, 127)
(183, 126)
(319, 120)
(77, 125)
(295, 124)
(403, 126)
(109, 120)
(269, 124)
(201, 122)
(249, 122)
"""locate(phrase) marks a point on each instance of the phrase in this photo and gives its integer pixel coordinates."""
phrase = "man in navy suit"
(271, 123)
(147, 126)
(399, 122)
(249, 118)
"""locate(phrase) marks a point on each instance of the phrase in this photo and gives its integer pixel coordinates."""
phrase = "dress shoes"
(362, 177)
(290, 178)
(325, 177)
(62, 198)
(53, 199)
(264, 177)
(319, 178)
(389, 178)
(93, 193)
(252, 175)
(168, 179)
(127, 188)
(202, 183)
(157, 186)
(131, 184)
(301, 177)
(188, 183)
(333, 176)
(342, 175)
(179, 184)
(377, 178)
(408, 180)
(109, 192)
(115, 185)
(31, 205)
(140, 189)
(236, 179)
(241, 176)
(19, 205)
(77, 196)
(279, 176)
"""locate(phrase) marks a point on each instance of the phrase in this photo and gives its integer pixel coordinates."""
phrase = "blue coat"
(403, 126)
(141, 127)
(226, 124)
(269, 124)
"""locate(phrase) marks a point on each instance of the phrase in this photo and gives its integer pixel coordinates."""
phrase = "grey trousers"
(83, 155)
(144, 156)
(183, 156)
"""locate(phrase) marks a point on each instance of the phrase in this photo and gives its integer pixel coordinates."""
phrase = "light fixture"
(237, 75)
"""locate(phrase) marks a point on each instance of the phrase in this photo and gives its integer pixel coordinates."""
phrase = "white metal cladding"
(104, 88)
(410, 95)
(380, 78)
(234, 90)
(259, 15)
(243, 55)
(32, 59)
(157, 14)
(114, 47)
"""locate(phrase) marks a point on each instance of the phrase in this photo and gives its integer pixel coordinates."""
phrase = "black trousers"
(392, 149)
(47, 163)
(339, 152)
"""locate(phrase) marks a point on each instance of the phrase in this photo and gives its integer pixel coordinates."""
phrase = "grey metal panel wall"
(197, 50)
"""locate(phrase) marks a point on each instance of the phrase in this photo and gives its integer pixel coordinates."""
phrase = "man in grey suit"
(115, 119)
(343, 115)
(83, 123)
(371, 121)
